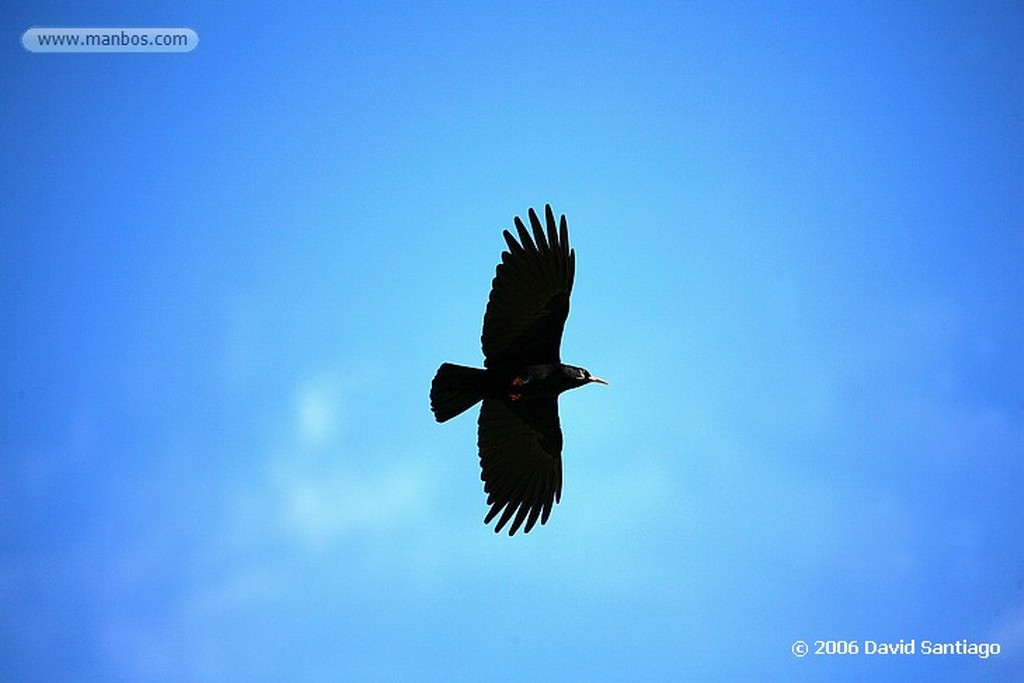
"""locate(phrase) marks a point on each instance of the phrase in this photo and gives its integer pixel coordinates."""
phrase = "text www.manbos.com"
(110, 39)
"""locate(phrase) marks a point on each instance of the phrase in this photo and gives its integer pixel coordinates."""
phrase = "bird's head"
(579, 376)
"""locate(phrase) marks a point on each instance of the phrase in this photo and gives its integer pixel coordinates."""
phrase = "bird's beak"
(598, 380)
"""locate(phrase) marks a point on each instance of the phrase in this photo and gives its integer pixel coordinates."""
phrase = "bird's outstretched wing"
(520, 458)
(529, 299)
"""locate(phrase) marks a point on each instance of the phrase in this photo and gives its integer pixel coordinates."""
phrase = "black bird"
(519, 437)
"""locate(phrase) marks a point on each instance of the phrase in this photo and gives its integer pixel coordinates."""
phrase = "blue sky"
(227, 277)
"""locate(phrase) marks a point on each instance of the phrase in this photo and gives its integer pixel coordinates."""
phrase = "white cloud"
(320, 502)
(317, 411)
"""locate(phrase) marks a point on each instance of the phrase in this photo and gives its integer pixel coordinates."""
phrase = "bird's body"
(520, 438)
(506, 382)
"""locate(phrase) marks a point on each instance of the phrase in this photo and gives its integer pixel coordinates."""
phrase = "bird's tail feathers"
(455, 388)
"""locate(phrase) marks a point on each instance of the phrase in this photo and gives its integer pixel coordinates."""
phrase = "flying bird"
(519, 436)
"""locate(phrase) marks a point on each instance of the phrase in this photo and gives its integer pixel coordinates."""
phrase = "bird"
(519, 436)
